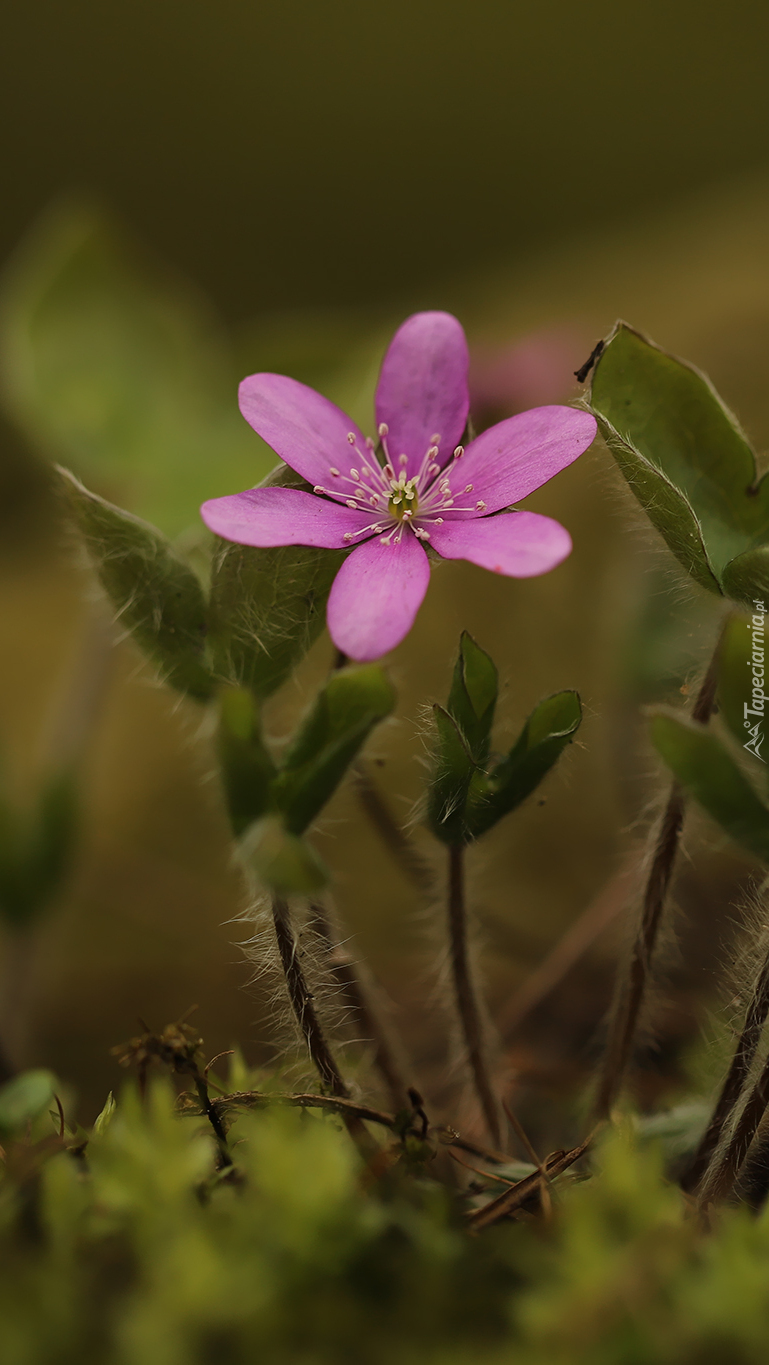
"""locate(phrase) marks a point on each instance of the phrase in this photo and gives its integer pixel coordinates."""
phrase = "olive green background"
(317, 171)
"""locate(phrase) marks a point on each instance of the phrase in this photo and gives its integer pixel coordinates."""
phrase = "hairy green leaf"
(550, 727)
(700, 761)
(453, 771)
(246, 765)
(155, 595)
(473, 696)
(662, 416)
(346, 709)
(268, 606)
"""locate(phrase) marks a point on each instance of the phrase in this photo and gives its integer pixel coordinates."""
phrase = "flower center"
(404, 498)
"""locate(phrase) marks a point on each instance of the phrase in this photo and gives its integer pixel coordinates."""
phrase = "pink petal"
(376, 595)
(518, 544)
(422, 389)
(510, 460)
(305, 429)
(282, 516)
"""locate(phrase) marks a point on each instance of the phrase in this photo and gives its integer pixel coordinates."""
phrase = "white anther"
(318, 489)
(468, 487)
(383, 429)
(347, 536)
(460, 450)
(480, 506)
(439, 521)
(421, 534)
(389, 471)
(433, 451)
(351, 437)
(434, 469)
(351, 503)
(449, 502)
(333, 471)
(403, 459)
(355, 475)
(370, 443)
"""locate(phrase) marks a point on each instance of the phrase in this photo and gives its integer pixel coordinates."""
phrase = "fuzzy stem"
(302, 1005)
(725, 1165)
(465, 995)
(352, 987)
(633, 989)
(746, 1049)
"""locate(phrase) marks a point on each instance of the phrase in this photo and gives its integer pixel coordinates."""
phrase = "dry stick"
(506, 1203)
(343, 968)
(745, 1052)
(396, 841)
(465, 995)
(633, 989)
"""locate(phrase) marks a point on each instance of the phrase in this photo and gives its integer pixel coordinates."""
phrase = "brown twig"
(744, 1054)
(347, 977)
(632, 991)
(523, 1138)
(506, 1203)
(398, 844)
(465, 995)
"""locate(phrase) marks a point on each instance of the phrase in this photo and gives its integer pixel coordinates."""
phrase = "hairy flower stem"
(302, 1003)
(465, 994)
(726, 1164)
(356, 996)
(744, 1054)
(632, 991)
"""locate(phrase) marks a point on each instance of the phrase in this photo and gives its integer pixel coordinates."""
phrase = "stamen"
(480, 506)
(347, 536)
(355, 475)
(459, 452)
(333, 471)
(434, 469)
(435, 439)
(403, 459)
(318, 489)
(420, 533)
(370, 443)
(383, 429)
(351, 437)
(353, 504)
(468, 489)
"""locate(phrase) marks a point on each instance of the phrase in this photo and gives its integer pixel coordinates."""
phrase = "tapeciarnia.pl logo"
(757, 704)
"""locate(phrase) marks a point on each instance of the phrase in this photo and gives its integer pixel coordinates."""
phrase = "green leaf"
(706, 770)
(662, 417)
(473, 696)
(283, 862)
(114, 367)
(268, 606)
(550, 727)
(246, 764)
(24, 1098)
(156, 596)
(104, 1119)
(347, 708)
(746, 578)
(452, 774)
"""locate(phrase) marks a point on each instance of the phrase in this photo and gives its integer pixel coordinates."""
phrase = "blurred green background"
(195, 191)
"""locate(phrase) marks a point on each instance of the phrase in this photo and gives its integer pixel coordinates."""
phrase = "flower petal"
(511, 459)
(305, 429)
(518, 544)
(282, 516)
(376, 596)
(422, 388)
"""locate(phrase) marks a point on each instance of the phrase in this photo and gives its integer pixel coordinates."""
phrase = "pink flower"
(427, 490)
